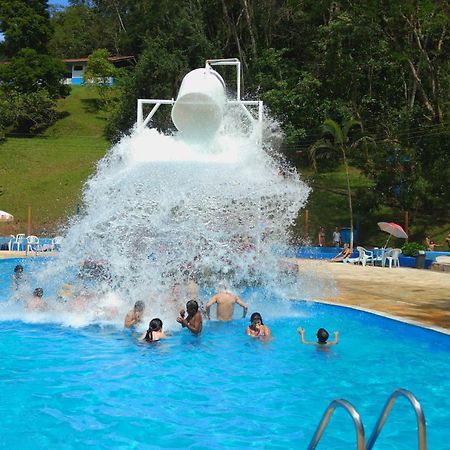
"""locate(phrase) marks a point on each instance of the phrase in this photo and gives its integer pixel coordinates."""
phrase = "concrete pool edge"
(382, 314)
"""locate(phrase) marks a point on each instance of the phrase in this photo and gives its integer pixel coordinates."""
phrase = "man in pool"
(36, 302)
(322, 337)
(225, 301)
(135, 315)
(193, 322)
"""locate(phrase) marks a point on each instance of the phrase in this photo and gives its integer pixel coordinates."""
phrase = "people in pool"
(225, 301)
(257, 327)
(193, 322)
(19, 278)
(322, 337)
(155, 331)
(135, 315)
(36, 302)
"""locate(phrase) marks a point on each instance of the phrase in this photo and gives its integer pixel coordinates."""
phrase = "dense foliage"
(384, 64)
(30, 78)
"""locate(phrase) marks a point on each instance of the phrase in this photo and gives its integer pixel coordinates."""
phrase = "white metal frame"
(143, 122)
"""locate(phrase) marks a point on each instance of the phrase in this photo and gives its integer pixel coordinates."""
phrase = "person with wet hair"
(225, 301)
(257, 327)
(135, 315)
(19, 278)
(322, 337)
(193, 322)
(155, 331)
(36, 302)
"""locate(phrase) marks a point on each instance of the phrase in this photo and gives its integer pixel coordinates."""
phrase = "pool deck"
(7, 254)
(411, 295)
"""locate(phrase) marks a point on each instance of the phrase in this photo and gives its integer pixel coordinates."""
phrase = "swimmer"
(135, 315)
(155, 331)
(19, 278)
(193, 322)
(36, 302)
(257, 327)
(225, 301)
(322, 337)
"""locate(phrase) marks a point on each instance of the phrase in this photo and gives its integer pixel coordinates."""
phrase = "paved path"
(420, 296)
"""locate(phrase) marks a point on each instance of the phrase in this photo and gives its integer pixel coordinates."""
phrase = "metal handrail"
(387, 409)
(326, 417)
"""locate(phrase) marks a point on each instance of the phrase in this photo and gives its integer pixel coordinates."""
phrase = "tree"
(30, 71)
(338, 138)
(25, 24)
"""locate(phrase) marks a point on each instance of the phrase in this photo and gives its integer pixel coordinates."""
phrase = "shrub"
(412, 248)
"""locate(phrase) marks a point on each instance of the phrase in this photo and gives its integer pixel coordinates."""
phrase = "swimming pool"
(98, 387)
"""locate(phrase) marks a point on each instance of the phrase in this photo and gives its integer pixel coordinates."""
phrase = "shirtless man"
(193, 322)
(225, 305)
(135, 315)
(36, 302)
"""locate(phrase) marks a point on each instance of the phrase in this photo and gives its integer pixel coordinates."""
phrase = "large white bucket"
(200, 102)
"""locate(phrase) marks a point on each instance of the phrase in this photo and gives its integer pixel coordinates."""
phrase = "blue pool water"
(98, 387)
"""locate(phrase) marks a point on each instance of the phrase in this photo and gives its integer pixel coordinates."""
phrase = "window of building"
(78, 68)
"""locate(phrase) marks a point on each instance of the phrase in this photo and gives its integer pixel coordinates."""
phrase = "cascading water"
(162, 210)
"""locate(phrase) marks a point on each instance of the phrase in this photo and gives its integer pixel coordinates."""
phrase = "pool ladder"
(360, 437)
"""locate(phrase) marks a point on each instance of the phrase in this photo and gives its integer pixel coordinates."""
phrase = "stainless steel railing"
(421, 429)
(326, 417)
(360, 439)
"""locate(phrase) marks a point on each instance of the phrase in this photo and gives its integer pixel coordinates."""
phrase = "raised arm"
(244, 306)
(335, 340)
(211, 302)
(301, 332)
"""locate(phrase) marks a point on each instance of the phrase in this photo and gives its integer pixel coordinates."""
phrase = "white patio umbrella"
(5, 217)
(393, 229)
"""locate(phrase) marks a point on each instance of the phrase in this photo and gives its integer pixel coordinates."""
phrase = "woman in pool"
(155, 331)
(257, 327)
(322, 337)
(19, 279)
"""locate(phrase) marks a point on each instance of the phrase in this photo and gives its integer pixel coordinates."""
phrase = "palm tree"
(335, 137)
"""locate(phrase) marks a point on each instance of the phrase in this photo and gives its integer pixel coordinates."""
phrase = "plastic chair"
(33, 244)
(16, 241)
(365, 256)
(392, 257)
(56, 243)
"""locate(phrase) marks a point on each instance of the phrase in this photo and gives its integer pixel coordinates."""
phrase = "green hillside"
(48, 171)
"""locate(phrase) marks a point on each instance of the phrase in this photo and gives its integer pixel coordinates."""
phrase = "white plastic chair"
(365, 256)
(33, 244)
(16, 241)
(56, 243)
(392, 257)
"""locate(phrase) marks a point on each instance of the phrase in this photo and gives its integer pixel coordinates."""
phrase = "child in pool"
(155, 331)
(257, 327)
(19, 278)
(322, 337)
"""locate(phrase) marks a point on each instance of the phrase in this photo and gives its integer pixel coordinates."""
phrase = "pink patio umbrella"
(393, 229)
(5, 217)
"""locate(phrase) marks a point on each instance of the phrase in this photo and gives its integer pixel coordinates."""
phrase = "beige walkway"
(421, 296)
(6, 254)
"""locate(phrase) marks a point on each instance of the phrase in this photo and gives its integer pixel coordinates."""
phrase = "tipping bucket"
(200, 102)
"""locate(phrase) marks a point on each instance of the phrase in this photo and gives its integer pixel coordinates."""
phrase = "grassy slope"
(48, 171)
(328, 206)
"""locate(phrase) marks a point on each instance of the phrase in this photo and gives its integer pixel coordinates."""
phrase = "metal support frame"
(142, 123)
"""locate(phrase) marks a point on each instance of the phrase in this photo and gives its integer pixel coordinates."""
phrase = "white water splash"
(160, 210)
